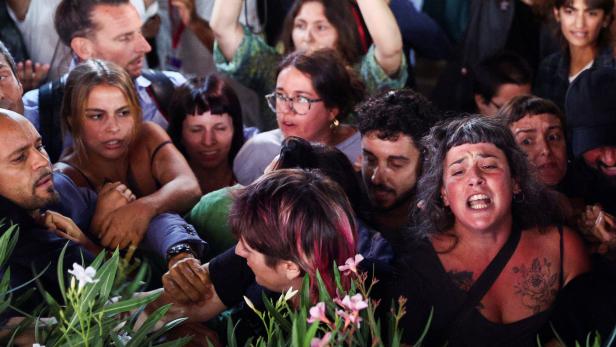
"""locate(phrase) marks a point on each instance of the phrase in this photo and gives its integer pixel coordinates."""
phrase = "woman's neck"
(581, 57)
(211, 179)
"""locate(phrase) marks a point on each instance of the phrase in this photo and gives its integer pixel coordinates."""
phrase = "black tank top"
(426, 284)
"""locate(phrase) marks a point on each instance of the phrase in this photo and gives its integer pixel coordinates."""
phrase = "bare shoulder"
(68, 169)
(151, 135)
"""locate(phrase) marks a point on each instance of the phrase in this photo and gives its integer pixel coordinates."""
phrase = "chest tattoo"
(462, 279)
(537, 285)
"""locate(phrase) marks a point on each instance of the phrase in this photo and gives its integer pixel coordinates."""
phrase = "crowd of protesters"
(238, 146)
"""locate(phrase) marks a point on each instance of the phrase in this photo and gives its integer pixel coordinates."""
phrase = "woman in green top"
(310, 25)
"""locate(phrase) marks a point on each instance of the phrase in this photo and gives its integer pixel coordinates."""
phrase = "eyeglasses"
(298, 104)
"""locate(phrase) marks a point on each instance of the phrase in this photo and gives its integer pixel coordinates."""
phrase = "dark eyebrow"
(398, 157)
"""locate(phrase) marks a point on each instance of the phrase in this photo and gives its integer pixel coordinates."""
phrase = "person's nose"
(113, 125)
(40, 159)
(377, 176)
(208, 138)
(609, 156)
(142, 45)
(475, 176)
(543, 148)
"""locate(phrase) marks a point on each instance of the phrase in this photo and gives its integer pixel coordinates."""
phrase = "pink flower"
(352, 317)
(353, 303)
(350, 265)
(321, 342)
(317, 313)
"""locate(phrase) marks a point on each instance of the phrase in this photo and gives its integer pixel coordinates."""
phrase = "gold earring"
(335, 123)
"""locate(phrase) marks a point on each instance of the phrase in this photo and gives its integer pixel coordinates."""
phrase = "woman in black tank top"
(485, 255)
(101, 112)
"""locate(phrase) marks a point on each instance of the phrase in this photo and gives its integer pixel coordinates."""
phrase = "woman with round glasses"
(314, 93)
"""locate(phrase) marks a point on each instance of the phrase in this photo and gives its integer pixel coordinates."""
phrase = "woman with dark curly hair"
(486, 255)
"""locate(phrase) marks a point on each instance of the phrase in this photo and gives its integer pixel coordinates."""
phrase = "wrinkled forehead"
(15, 132)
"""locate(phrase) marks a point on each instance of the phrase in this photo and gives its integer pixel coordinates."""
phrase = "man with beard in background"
(391, 125)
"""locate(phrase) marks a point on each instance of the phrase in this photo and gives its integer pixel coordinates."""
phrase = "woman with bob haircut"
(206, 126)
(485, 254)
(114, 151)
(313, 96)
(289, 223)
(311, 25)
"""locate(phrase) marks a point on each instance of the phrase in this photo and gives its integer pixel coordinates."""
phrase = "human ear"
(333, 113)
(556, 14)
(82, 47)
(444, 196)
(516, 187)
(292, 270)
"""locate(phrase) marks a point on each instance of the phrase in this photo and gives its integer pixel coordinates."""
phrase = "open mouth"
(478, 202)
(113, 144)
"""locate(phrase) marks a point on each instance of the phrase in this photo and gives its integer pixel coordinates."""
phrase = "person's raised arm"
(226, 26)
(385, 34)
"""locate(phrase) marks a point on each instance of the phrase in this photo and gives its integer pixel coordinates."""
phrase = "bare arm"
(179, 189)
(226, 26)
(576, 259)
(385, 34)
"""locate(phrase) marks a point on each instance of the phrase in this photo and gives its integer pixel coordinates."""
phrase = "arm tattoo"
(462, 279)
(536, 285)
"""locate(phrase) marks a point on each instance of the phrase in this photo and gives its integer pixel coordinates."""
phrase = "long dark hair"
(340, 14)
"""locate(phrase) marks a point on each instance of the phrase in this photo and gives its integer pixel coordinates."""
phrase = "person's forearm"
(201, 28)
(385, 34)
(178, 195)
(226, 26)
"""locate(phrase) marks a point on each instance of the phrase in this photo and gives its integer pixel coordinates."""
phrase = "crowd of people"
(239, 146)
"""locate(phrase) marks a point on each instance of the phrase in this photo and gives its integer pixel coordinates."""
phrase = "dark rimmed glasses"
(298, 104)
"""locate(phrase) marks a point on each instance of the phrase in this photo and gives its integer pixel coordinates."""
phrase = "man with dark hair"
(108, 30)
(498, 79)
(391, 125)
(10, 87)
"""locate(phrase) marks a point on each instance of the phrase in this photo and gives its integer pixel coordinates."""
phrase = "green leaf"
(129, 304)
(312, 331)
(60, 272)
(426, 328)
(167, 327)
(323, 293)
(283, 322)
(231, 340)
(140, 336)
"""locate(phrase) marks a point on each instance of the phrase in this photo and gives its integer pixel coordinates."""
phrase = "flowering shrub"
(347, 319)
